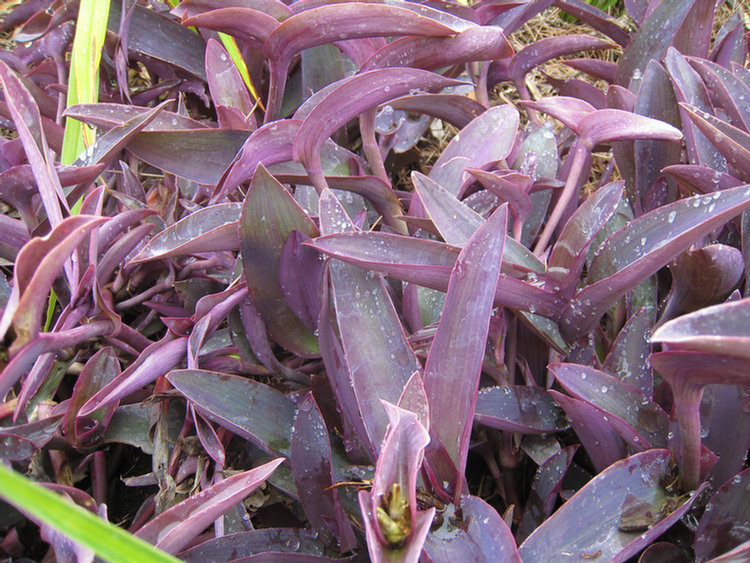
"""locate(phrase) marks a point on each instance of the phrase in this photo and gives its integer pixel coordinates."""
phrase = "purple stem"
(276, 83)
(580, 156)
(370, 145)
(687, 411)
(99, 477)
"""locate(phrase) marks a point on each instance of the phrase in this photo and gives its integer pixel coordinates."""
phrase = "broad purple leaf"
(569, 111)
(488, 138)
(722, 525)
(732, 95)
(730, 44)
(544, 490)
(457, 222)
(731, 142)
(568, 256)
(480, 535)
(572, 87)
(453, 108)
(572, 534)
(479, 43)
(167, 150)
(351, 98)
(702, 277)
(39, 263)
(702, 179)
(379, 358)
(740, 554)
(22, 441)
(690, 89)
(517, 408)
(695, 34)
(269, 215)
(607, 125)
(310, 455)
(109, 145)
(326, 24)
(511, 187)
(596, 18)
(414, 399)
(256, 411)
(27, 121)
(337, 371)
(154, 362)
(645, 423)
(300, 275)
(211, 229)
(648, 243)
(655, 99)
(721, 329)
(106, 115)
(590, 423)
(627, 358)
(99, 370)
(597, 68)
(175, 528)
(161, 38)
(543, 50)
(453, 367)
(246, 24)
(426, 263)
(651, 40)
(224, 80)
(394, 492)
(261, 541)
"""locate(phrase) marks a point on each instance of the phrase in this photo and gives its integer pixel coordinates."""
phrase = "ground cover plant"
(334, 281)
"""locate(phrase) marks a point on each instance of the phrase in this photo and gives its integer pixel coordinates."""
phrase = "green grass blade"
(111, 543)
(83, 83)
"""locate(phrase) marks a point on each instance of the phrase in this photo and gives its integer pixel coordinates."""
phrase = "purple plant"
(500, 356)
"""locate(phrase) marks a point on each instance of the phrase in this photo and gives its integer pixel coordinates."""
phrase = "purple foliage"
(298, 341)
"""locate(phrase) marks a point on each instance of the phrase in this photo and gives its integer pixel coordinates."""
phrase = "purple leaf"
(596, 18)
(721, 529)
(211, 229)
(167, 150)
(38, 264)
(99, 370)
(568, 256)
(457, 222)
(453, 108)
(702, 179)
(22, 441)
(250, 409)
(730, 141)
(27, 121)
(479, 43)
(300, 274)
(627, 356)
(326, 24)
(569, 111)
(607, 125)
(739, 554)
(351, 98)
(488, 138)
(544, 490)
(687, 373)
(251, 542)
(155, 361)
(602, 444)
(377, 353)
(720, 329)
(161, 38)
(651, 40)
(645, 423)
(597, 68)
(732, 95)
(702, 277)
(310, 455)
(649, 242)
(175, 528)
(480, 535)
(426, 263)
(224, 80)
(395, 529)
(269, 215)
(108, 115)
(467, 310)
(517, 408)
(618, 496)
(246, 24)
(511, 187)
